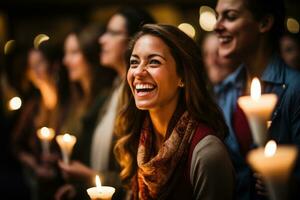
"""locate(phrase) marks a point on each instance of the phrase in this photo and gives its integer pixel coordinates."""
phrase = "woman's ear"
(266, 23)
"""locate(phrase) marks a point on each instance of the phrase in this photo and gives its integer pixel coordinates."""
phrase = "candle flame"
(67, 137)
(98, 183)
(270, 148)
(45, 132)
(15, 103)
(255, 89)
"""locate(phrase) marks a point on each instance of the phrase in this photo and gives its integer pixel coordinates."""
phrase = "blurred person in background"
(250, 30)
(90, 85)
(217, 67)
(290, 50)
(42, 108)
(114, 42)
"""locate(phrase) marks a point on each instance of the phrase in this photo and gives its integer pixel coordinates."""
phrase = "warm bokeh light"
(207, 19)
(187, 29)
(8, 47)
(292, 25)
(205, 9)
(15, 103)
(39, 39)
(255, 89)
(270, 148)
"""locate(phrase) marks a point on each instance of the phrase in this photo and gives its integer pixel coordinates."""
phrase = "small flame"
(45, 132)
(15, 103)
(67, 137)
(98, 183)
(255, 89)
(270, 148)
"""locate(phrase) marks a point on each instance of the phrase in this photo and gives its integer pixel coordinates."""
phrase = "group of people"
(148, 119)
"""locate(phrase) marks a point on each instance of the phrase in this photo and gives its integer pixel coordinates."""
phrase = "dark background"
(22, 20)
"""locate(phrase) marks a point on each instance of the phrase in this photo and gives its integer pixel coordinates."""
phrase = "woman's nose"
(219, 27)
(140, 70)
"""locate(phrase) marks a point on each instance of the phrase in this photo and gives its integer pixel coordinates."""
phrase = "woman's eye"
(231, 16)
(133, 63)
(154, 62)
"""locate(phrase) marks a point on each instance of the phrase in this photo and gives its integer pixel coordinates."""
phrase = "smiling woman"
(171, 131)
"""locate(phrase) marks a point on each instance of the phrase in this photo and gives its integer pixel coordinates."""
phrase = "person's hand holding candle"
(76, 170)
(274, 163)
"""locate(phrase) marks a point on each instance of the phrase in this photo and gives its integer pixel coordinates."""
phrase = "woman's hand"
(260, 186)
(76, 170)
(51, 158)
(66, 191)
(44, 172)
(27, 159)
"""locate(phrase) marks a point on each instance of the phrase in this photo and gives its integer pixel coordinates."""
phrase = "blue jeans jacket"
(277, 78)
(285, 127)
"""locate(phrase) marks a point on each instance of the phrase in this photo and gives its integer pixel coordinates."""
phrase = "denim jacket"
(277, 78)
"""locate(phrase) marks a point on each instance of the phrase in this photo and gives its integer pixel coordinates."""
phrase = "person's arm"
(211, 171)
(80, 172)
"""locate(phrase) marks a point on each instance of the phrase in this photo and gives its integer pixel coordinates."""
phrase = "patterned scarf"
(155, 172)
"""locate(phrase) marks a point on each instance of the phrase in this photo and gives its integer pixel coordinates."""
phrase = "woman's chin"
(226, 52)
(143, 105)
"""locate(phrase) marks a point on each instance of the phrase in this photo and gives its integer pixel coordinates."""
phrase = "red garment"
(242, 130)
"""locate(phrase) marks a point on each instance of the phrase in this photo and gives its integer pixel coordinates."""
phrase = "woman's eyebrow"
(156, 54)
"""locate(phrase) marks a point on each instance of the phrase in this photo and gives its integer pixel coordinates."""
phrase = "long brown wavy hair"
(195, 95)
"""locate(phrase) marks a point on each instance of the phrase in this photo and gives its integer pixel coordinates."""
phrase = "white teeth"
(224, 39)
(143, 86)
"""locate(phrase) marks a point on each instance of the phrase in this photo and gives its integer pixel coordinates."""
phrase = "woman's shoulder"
(207, 148)
(211, 170)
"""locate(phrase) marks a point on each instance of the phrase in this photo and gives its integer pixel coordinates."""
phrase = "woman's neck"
(258, 59)
(49, 94)
(86, 86)
(161, 117)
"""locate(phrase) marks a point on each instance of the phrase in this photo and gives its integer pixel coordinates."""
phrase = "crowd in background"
(97, 85)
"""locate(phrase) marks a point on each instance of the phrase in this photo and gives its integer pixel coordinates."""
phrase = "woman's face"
(152, 74)
(236, 28)
(114, 42)
(37, 67)
(74, 59)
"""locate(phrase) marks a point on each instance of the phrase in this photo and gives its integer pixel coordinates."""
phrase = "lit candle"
(100, 192)
(275, 165)
(258, 109)
(15, 103)
(66, 143)
(46, 135)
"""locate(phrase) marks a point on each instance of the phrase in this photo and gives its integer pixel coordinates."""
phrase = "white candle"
(100, 192)
(46, 135)
(66, 143)
(275, 165)
(258, 109)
